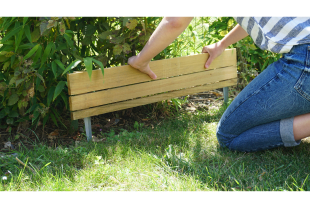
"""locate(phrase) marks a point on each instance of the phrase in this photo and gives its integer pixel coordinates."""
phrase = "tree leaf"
(19, 81)
(43, 27)
(6, 23)
(13, 114)
(62, 28)
(125, 20)
(31, 52)
(54, 119)
(38, 55)
(101, 65)
(46, 53)
(35, 35)
(132, 24)
(3, 58)
(13, 99)
(45, 119)
(68, 39)
(36, 114)
(6, 65)
(72, 66)
(224, 32)
(40, 77)
(9, 42)
(98, 62)
(12, 60)
(50, 95)
(12, 81)
(25, 20)
(54, 68)
(60, 86)
(57, 116)
(126, 48)
(105, 34)
(65, 99)
(51, 23)
(19, 39)
(89, 65)
(1, 78)
(10, 34)
(27, 46)
(27, 32)
(41, 88)
(117, 49)
(117, 40)
(2, 114)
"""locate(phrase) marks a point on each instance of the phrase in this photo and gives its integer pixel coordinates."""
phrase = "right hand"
(214, 51)
(143, 67)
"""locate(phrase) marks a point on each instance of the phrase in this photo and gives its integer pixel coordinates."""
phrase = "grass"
(179, 154)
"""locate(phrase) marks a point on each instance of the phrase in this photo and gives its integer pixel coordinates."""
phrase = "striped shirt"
(277, 34)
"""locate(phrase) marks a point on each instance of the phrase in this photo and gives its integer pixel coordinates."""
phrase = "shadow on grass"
(186, 145)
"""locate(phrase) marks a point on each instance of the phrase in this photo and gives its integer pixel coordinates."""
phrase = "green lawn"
(179, 154)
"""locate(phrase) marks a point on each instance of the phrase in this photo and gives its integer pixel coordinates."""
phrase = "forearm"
(236, 34)
(166, 32)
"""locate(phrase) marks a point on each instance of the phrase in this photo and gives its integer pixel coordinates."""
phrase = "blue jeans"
(261, 116)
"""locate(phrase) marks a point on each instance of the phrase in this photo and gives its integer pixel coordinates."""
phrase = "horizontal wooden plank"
(150, 99)
(89, 100)
(79, 82)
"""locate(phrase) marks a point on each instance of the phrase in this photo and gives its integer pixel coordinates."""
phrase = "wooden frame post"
(87, 122)
(225, 92)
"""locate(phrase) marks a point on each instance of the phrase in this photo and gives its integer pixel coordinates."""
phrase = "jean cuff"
(287, 134)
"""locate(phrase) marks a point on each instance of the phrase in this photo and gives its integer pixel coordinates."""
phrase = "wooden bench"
(125, 87)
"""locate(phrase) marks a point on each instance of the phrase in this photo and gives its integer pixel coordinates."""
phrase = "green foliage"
(252, 60)
(37, 53)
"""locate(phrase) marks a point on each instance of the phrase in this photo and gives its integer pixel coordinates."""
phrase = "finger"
(209, 61)
(149, 72)
(152, 74)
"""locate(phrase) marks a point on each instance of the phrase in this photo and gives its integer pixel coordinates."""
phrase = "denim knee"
(223, 141)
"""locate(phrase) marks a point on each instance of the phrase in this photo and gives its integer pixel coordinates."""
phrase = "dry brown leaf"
(31, 92)
(97, 126)
(217, 94)
(53, 134)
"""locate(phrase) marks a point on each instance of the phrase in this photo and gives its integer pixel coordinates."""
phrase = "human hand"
(143, 67)
(214, 51)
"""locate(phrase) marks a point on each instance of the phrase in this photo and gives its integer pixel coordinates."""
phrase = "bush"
(37, 53)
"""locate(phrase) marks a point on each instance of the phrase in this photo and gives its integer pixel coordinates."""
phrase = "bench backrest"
(125, 87)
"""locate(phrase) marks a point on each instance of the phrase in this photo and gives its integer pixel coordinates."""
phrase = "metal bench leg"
(87, 122)
(225, 92)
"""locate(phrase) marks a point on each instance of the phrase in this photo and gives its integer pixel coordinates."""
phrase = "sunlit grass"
(179, 154)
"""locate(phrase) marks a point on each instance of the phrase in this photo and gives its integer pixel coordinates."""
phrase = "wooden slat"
(89, 100)
(79, 82)
(150, 99)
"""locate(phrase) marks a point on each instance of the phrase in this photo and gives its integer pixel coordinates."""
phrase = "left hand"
(143, 67)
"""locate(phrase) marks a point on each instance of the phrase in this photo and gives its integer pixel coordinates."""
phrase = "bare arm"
(166, 32)
(216, 49)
